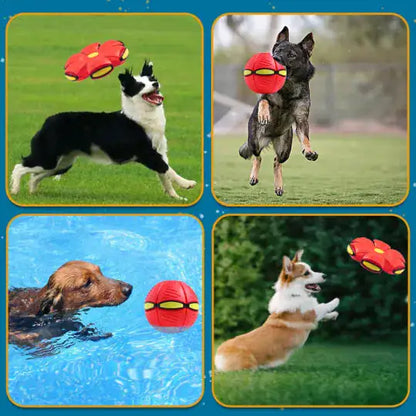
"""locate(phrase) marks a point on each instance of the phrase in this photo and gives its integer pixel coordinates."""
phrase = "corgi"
(294, 313)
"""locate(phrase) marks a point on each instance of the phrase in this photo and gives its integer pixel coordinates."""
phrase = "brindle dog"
(272, 117)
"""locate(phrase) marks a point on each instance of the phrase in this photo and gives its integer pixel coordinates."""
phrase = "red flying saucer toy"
(376, 256)
(171, 306)
(263, 74)
(96, 60)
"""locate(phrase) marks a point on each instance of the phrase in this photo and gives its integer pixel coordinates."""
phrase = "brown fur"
(273, 341)
(75, 285)
(277, 338)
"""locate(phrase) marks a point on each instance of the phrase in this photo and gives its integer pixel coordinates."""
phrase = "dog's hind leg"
(254, 174)
(63, 166)
(18, 172)
(37, 177)
(282, 146)
(302, 131)
(278, 177)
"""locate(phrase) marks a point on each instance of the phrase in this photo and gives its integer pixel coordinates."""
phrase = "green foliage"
(323, 374)
(248, 257)
(38, 47)
(355, 169)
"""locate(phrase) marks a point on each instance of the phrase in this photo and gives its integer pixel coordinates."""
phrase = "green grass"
(323, 374)
(351, 170)
(38, 47)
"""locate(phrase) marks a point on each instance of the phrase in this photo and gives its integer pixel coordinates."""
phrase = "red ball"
(171, 306)
(96, 60)
(263, 74)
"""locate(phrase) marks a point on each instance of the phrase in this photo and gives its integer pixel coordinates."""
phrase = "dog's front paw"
(263, 114)
(310, 155)
(334, 303)
(334, 315)
(253, 181)
(278, 191)
(172, 193)
(189, 184)
(264, 118)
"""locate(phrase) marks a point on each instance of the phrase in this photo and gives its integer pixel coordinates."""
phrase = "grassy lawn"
(323, 374)
(38, 47)
(351, 170)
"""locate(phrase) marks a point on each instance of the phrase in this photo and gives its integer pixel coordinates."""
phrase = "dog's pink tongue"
(313, 286)
(156, 97)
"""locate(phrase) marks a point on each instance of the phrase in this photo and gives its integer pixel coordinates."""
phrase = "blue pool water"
(137, 365)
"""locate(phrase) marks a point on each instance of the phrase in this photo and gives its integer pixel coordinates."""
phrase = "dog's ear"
(53, 299)
(287, 265)
(52, 302)
(126, 77)
(283, 35)
(147, 69)
(308, 43)
(298, 256)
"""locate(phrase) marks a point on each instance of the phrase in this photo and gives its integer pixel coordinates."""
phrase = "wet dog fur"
(37, 314)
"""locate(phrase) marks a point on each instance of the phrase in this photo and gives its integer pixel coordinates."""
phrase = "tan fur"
(274, 341)
(282, 333)
(254, 174)
(278, 176)
(264, 111)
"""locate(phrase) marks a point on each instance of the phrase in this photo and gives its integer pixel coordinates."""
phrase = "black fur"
(115, 134)
(289, 105)
(129, 84)
(147, 70)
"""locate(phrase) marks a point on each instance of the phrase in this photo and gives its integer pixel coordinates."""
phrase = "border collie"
(134, 134)
(294, 313)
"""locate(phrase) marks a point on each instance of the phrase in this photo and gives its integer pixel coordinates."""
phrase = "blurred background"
(248, 260)
(361, 69)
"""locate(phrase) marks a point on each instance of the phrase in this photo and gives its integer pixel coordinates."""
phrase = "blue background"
(207, 209)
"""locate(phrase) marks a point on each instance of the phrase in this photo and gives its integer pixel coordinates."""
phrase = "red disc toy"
(263, 74)
(171, 306)
(376, 256)
(96, 60)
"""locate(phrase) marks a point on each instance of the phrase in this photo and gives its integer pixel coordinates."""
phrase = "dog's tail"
(245, 151)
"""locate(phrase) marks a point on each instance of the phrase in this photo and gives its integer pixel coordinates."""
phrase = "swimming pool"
(136, 366)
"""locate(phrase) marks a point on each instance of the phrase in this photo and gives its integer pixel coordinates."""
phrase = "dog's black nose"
(126, 289)
(278, 59)
(155, 85)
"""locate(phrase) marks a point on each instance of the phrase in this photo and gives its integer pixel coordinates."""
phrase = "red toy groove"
(96, 60)
(263, 74)
(376, 256)
(171, 306)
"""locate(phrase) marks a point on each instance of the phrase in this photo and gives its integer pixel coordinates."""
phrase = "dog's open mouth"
(313, 287)
(153, 97)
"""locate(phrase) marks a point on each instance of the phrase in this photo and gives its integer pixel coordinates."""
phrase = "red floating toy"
(263, 74)
(171, 306)
(376, 256)
(96, 60)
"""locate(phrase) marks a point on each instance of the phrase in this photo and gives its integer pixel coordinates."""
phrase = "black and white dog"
(134, 134)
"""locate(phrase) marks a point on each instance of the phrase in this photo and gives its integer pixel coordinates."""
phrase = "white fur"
(152, 119)
(220, 362)
(295, 296)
